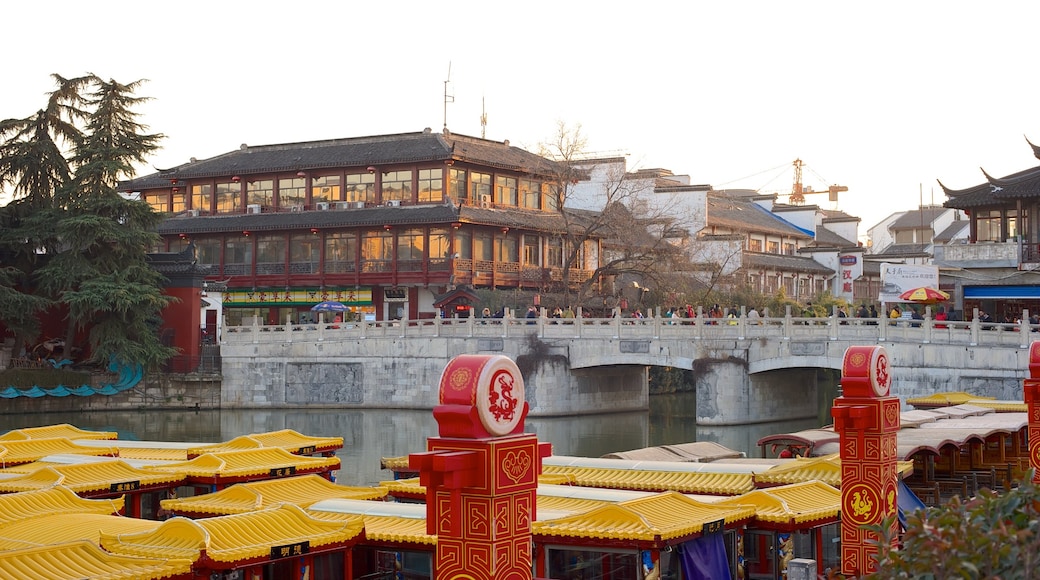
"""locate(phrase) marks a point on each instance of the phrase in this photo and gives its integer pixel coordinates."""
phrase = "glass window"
(202, 197)
(270, 254)
(464, 244)
(158, 201)
(772, 247)
(531, 253)
(593, 564)
(987, 228)
(377, 248)
(457, 184)
(553, 195)
(340, 252)
(361, 187)
(1015, 226)
(326, 188)
(508, 248)
(754, 245)
(410, 250)
(440, 243)
(788, 248)
(238, 256)
(207, 251)
(483, 246)
(554, 252)
(229, 197)
(530, 194)
(480, 187)
(304, 253)
(397, 185)
(180, 201)
(505, 190)
(260, 192)
(292, 192)
(431, 185)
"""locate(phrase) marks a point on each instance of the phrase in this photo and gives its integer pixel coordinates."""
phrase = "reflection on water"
(369, 435)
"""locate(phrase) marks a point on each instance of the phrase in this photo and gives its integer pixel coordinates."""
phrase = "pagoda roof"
(18, 451)
(792, 505)
(376, 151)
(30, 505)
(997, 191)
(102, 476)
(286, 439)
(58, 528)
(252, 496)
(82, 559)
(236, 538)
(60, 430)
(229, 466)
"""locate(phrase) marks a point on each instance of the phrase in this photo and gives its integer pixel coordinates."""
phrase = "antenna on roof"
(447, 98)
(483, 118)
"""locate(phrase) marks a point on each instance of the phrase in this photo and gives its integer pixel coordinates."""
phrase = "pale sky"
(883, 97)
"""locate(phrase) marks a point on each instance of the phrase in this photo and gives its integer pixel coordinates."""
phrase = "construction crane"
(799, 191)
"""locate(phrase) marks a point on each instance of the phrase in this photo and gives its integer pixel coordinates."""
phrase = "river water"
(371, 434)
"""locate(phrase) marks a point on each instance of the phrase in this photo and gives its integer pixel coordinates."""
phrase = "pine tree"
(98, 243)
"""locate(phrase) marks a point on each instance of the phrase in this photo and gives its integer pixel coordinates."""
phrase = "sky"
(883, 97)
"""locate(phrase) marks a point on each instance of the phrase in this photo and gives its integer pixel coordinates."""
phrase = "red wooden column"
(481, 473)
(867, 421)
(1031, 388)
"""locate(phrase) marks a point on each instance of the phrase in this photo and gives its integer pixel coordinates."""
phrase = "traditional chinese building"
(383, 224)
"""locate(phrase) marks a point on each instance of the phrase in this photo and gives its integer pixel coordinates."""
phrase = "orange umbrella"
(924, 295)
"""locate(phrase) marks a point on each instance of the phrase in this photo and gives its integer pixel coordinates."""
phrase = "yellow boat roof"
(962, 398)
(59, 528)
(252, 496)
(410, 487)
(51, 431)
(797, 503)
(285, 439)
(661, 517)
(17, 451)
(78, 560)
(248, 463)
(645, 480)
(89, 477)
(52, 500)
(235, 538)
(826, 468)
(386, 528)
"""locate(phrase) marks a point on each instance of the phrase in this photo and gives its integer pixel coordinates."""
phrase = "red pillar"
(1031, 388)
(481, 473)
(867, 421)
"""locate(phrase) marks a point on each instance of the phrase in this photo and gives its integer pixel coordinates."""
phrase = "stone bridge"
(768, 371)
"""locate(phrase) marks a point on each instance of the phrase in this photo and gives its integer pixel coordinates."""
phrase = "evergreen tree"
(97, 252)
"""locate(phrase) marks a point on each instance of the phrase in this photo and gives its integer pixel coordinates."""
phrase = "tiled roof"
(795, 504)
(903, 250)
(784, 262)
(59, 528)
(951, 231)
(286, 439)
(656, 519)
(685, 482)
(744, 216)
(386, 529)
(917, 219)
(248, 463)
(424, 214)
(77, 560)
(995, 191)
(252, 496)
(14, 452)
(410, 488)
(235, 538)
(52, 500)
(360, 152)
(825, 237)
(51, 431)
(88, 477)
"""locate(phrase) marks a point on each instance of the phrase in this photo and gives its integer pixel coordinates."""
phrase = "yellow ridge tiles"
(245, 497)
(77, 560)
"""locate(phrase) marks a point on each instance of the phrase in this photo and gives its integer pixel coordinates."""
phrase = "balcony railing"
(860, 330)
